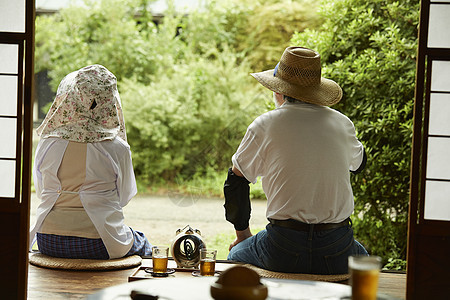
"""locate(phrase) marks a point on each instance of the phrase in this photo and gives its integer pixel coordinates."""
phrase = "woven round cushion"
(298, 276)
(45, 261)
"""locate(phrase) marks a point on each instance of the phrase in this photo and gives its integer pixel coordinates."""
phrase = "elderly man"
(304, 152)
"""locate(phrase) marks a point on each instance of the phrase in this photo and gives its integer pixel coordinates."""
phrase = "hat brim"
(327, 93)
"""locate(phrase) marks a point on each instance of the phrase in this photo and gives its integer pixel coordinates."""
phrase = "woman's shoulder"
(51, 142)
(115, 145)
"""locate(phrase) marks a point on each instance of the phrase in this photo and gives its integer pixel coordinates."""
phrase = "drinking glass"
(160, 257)
(207, 262)
(364, 272)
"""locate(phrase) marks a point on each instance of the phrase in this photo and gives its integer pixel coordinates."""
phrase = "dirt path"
(160, 216)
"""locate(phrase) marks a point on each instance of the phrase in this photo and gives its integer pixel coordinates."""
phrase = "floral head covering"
(86, 108)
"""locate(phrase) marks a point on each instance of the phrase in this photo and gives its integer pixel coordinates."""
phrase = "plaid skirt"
(79, 247)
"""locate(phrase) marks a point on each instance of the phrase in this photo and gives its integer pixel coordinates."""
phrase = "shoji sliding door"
(428, 270)
(16, 86)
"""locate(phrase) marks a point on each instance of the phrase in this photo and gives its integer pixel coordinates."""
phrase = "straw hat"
(298, 75)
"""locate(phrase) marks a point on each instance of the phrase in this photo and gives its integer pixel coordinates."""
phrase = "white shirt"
(303, 153)
(109, 186)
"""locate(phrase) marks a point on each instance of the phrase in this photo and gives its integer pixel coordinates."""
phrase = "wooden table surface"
(62, 284)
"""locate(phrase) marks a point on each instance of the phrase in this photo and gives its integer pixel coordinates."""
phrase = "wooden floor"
(59, 284)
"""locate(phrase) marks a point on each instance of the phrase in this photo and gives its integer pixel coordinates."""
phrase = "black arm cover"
(363, 164)
(237, 200)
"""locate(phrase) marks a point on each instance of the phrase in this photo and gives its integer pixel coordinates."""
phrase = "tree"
(102, 32)
(184, 83)
(369, 48)
(261, 29)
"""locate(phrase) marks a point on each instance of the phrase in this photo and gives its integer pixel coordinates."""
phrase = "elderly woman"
(83, 173)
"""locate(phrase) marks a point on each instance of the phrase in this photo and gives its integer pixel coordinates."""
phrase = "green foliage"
(263, 28)
(184, 83)
(104, 32)
(190, 120)
(209, 184)
(395, 264)
(369, 48)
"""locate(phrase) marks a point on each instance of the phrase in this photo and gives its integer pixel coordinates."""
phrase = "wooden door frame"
(427, 239)
(15, 212)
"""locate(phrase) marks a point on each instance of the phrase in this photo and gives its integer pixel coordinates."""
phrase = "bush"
(185, 85)
(190, 120)
(102, 32)
(369, 48)
(259, 29)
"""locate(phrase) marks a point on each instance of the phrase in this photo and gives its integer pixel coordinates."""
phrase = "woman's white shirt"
(109, 186)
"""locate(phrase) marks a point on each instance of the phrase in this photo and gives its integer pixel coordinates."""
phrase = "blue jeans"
(141, 246)
(286, 250)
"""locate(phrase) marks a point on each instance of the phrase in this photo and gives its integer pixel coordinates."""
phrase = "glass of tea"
(160, 257)
(207, 262)
(364, 272)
